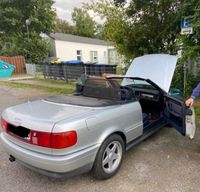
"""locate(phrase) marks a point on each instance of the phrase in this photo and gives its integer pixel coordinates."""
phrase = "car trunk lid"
(36, 116)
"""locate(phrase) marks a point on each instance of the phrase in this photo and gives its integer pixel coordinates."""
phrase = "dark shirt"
(196, 92)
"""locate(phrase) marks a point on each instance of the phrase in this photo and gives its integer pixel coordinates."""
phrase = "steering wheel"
(127, 93)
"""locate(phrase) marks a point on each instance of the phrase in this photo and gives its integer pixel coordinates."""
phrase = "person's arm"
(195, 94)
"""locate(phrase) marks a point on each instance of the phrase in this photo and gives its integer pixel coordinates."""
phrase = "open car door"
(181, 117)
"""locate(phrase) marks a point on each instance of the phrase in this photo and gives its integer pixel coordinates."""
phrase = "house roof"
(77, 39)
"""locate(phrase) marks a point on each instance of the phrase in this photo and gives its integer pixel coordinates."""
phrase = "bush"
(178, 80)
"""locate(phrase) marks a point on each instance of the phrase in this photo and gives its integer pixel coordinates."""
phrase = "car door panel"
(190, 123)
(177, 114)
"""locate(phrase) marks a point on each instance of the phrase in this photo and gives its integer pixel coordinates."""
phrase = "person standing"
(195, 94)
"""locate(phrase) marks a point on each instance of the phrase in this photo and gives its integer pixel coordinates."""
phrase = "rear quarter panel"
(94, 128)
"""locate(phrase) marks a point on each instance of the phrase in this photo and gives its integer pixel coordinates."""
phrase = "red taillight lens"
(4, 125)
(53, 140)
(63, 140)
(40, 138)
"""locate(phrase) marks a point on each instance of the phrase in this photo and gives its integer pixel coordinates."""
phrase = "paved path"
(166, 162)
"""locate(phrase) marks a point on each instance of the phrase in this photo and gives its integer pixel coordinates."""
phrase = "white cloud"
(64, 8)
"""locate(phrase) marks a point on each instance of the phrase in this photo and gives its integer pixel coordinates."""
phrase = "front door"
(177, 114)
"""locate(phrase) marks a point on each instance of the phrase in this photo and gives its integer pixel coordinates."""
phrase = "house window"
(94, 56)
(79, 55)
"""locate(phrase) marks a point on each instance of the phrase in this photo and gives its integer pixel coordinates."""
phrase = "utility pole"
(185, 66)
(27, 22)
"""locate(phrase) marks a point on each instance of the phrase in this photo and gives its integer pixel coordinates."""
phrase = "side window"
(94, 56)
(79, 55)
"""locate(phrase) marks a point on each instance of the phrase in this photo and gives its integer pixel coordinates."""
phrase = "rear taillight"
(40, 138)
(53, 140)
(44, 139)
(4, 125)
(63, 140)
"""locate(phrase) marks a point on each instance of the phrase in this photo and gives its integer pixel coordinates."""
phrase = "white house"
(70, 47)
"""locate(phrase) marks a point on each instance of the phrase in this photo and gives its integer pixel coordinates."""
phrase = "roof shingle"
(77, 39)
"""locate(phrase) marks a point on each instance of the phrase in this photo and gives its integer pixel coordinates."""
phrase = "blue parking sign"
(186, 28)
(185, 23)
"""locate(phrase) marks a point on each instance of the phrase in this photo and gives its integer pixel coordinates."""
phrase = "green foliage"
(15, 37)
(84, 24)
(13, 14)
(36, 48)
(140, 27)
(191, 43)
(197, 113)
(177, 81)
(9, 48)
(121, 70)
(99, 31)
(63, 26)
(191, 83)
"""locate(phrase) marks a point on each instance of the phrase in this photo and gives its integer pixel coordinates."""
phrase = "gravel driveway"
(166, 162)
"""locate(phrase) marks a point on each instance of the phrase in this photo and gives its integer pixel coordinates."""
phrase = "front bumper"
(52, 165)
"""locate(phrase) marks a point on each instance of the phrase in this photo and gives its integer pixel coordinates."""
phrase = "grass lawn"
(38, 87)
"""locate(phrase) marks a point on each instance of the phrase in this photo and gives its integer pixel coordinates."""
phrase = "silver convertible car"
(90, 130)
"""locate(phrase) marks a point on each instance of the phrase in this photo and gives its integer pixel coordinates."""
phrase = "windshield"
(136, 83)
(133, 83)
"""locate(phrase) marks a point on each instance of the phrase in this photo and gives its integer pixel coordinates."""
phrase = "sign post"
(186, 29)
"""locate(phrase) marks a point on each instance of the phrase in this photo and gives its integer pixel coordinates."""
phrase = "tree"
(13, 14)
(191, 43)
(140, 27)
(63, 26)
(99, 31)
(84, 24)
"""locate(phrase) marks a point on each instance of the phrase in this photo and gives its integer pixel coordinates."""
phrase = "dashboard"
(145, 94)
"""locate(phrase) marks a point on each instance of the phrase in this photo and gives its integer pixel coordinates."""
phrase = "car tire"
(109, 157)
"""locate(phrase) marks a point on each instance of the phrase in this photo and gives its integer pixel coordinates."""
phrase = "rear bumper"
(78, 171)
(52, 165)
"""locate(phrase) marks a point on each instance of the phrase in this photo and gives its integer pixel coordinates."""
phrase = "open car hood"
(159, 68)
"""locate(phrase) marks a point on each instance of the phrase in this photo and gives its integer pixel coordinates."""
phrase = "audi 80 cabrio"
(90, 130)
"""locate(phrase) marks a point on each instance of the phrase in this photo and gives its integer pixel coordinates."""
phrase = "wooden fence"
(17, 61)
